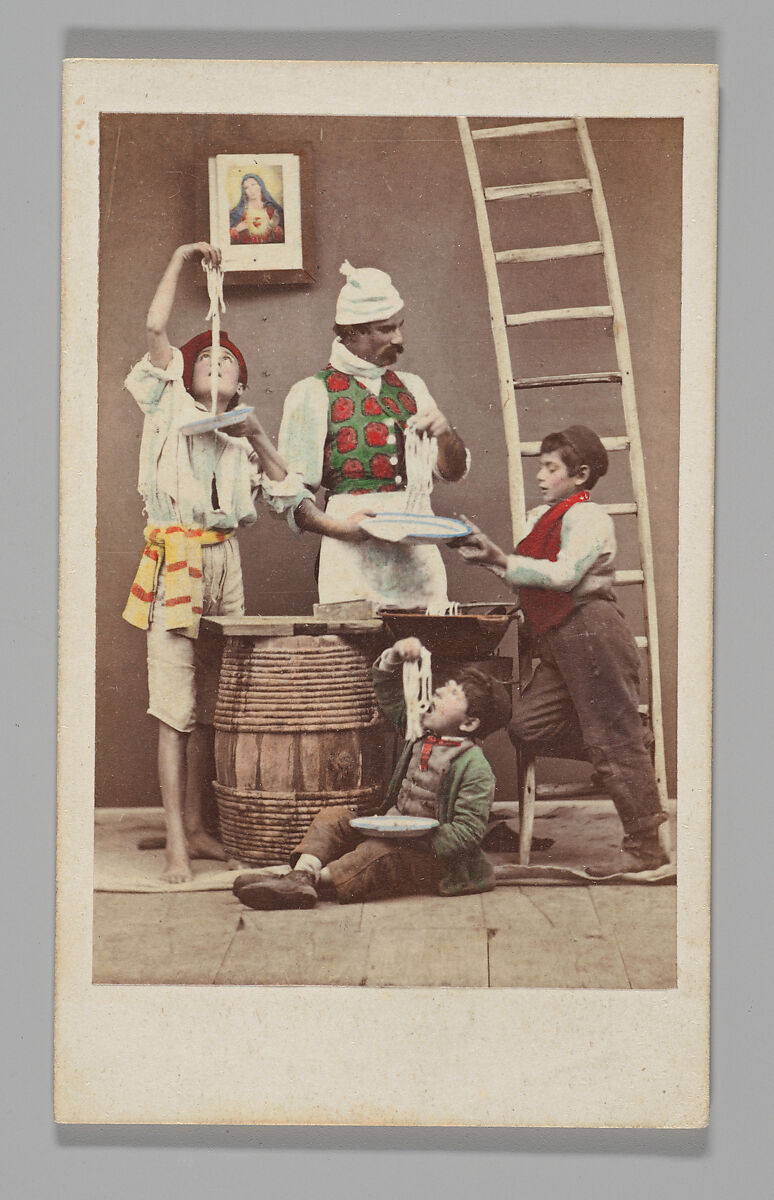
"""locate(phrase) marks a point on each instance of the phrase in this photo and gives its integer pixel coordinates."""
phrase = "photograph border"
(675, 1094)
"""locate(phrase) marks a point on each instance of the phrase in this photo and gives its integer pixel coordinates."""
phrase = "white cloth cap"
(368, 295)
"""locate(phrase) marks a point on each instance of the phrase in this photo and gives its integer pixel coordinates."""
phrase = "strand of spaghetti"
(217, 306)
(421, 456)
(443, 608)
(417, 692)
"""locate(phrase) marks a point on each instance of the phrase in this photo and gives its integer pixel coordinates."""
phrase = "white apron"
(411, 576)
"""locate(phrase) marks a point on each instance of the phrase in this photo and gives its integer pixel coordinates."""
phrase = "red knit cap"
(202, 340)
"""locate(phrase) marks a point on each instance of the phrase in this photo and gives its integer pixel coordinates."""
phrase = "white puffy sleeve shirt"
(176, 471)
(584, 564)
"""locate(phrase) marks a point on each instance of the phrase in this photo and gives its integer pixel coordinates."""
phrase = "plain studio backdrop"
(392, 193)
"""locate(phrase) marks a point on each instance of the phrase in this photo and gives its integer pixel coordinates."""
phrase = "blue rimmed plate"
(414, 527)
(394, 826)
(213, 421)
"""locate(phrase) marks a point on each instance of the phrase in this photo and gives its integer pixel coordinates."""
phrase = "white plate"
(394, 826)
(414, 527)
(213, 421)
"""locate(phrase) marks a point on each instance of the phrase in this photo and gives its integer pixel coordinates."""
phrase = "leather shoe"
(269, 892)
(639, 852)
(248, 877)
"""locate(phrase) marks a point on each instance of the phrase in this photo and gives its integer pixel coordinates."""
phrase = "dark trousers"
(363, 868)
(582, 702)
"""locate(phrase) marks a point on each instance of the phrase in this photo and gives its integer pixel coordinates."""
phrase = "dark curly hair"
(573, 459)
(488, 699)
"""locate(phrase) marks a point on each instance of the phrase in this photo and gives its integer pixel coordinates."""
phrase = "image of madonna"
(257, 218)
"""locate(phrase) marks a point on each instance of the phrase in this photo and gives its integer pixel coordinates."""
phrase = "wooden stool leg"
(665, 838)
(526, 811)
(526, 772)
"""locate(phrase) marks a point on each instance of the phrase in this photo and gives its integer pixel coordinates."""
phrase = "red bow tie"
(430, 740)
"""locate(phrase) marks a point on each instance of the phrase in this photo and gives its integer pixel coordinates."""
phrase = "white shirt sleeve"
(283, 496)
(146, 383)
(587, 543)
(304, 426)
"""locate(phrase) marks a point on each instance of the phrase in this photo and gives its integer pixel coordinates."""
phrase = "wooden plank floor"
(590, 937)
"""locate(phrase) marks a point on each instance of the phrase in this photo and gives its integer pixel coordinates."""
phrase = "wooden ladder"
(629, 442)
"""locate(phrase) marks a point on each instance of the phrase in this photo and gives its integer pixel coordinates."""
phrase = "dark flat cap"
(588, 447)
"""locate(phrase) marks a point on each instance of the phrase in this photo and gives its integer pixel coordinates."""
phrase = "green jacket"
(465, 801)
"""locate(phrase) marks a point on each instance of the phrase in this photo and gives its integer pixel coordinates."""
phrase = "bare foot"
(178, 870)
(201, 845)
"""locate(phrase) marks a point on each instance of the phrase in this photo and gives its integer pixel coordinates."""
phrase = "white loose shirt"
(407, 576)
(584, 564)
(176, 471)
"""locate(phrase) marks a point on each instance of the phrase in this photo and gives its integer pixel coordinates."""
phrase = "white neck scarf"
(344, 360)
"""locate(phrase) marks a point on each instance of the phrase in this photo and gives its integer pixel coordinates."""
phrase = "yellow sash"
(182, 550)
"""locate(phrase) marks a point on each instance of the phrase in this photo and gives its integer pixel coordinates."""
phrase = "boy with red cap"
(582, 701)
(197, 490)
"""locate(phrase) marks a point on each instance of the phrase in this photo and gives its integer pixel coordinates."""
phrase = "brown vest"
(420, 791)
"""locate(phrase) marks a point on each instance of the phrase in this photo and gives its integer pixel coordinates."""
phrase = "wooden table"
(266, 627)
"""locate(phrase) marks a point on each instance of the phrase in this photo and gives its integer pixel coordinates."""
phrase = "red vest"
(544, 607)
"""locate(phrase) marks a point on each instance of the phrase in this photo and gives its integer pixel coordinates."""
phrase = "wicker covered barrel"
(297, 729)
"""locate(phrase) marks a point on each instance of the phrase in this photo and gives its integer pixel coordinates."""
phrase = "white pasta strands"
(444, 608)
(417, 692)
(421, 457)
(217, 306)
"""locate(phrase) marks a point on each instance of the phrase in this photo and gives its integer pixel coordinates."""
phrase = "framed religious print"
(256, 217)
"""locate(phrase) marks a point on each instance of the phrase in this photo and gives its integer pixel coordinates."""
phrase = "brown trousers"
(582, 703)
(364, 868)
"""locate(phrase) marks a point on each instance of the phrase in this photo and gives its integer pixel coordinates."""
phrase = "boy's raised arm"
(160, 309)
(388, 680)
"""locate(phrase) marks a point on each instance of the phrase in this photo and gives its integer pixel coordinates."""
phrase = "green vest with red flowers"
(364, 446)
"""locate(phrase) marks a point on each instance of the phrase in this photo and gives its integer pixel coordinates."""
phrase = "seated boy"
(197, 490)
(582, 701)
(443, 775)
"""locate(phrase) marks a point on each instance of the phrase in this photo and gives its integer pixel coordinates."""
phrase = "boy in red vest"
(582, 701)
